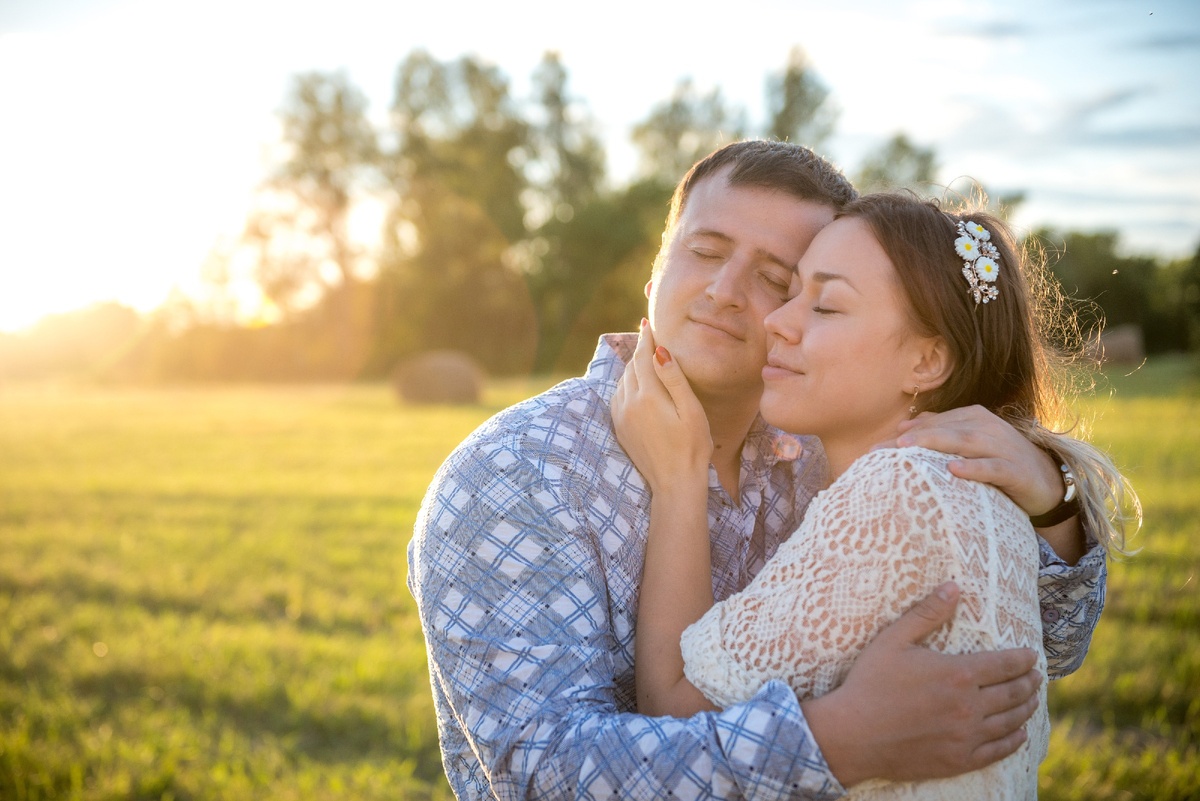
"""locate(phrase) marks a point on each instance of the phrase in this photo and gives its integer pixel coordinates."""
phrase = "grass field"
(202, 596)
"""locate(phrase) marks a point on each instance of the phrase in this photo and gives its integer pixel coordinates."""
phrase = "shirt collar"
(608, 363)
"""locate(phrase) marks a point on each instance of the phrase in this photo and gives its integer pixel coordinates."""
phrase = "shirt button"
(1050, 616)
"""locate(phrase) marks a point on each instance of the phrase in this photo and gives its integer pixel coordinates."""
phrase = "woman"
(897, 307)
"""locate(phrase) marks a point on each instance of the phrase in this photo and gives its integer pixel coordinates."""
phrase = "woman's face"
(842, 349)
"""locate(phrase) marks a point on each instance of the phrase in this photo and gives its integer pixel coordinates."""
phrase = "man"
(528, 550)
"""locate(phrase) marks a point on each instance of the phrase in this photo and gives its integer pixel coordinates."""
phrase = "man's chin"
(718, 379)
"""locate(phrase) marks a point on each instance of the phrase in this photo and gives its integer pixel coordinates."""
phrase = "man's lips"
(718, 325)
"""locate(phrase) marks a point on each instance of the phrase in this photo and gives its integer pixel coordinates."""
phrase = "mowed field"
(202, 595)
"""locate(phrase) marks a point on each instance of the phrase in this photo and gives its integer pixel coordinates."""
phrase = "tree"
(300, 224)
(566, 164)
(684, 129)
(798, 104)
(1189, 285)
(626, 226)
(298, 233)
(1173, 322)
(446, 274)
(1105, 289)
(898, 164)
(579, 235)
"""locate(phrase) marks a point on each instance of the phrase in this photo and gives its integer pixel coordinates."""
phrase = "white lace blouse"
(886, 533)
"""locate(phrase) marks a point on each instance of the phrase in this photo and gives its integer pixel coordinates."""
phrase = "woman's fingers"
(687, 405)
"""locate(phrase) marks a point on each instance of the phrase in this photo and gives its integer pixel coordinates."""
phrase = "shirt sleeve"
(515, 610)
(1072, 597)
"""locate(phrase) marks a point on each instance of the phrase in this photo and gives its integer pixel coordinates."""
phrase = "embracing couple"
(693, 572)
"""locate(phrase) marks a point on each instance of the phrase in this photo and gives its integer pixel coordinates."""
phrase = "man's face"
(724, 268)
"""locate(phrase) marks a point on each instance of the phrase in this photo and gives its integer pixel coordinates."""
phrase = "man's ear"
(933, 364)
(649, 286)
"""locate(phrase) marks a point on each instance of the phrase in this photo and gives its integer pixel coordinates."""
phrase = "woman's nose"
(783, 323)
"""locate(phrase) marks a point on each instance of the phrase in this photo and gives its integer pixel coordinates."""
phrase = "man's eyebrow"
(764, 254)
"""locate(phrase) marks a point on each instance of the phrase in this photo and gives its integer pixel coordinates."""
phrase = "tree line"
(502, 235)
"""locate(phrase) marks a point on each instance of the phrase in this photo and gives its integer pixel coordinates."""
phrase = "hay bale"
(439, 376)
(1121, 344)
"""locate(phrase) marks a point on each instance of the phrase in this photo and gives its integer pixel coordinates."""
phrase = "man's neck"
(729, 422)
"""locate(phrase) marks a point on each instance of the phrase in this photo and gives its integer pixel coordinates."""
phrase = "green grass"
(1127, 724)
(202, 592)
(202, 596)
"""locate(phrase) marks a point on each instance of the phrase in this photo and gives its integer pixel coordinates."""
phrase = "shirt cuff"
(793, 765)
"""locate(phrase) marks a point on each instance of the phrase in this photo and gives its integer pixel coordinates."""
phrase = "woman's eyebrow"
(825, 278)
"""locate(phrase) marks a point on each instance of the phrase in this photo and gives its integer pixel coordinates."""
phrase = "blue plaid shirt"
(525, 565)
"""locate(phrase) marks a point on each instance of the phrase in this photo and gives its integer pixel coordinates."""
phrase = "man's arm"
(972, 708)
(510, 585)
(1073, 570)
(1072, 597)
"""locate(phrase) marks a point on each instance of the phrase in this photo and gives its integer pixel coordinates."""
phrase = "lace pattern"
(884, 535)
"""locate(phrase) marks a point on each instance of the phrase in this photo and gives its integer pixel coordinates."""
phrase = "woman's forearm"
(676, 591)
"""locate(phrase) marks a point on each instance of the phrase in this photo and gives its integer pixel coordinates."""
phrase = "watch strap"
(1066, 509)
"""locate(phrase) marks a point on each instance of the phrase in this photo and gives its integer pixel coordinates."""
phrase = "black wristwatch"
(1065, 510)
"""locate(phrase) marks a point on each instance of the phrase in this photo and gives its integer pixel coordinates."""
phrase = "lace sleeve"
(891, 529)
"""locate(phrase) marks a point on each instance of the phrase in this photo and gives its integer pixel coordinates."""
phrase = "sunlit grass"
(1127, 724)
(202, 592)
(202, 596)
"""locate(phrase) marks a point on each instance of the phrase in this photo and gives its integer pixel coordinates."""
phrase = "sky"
(133, 132)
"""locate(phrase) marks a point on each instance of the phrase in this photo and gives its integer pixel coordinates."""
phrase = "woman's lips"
(776, 369)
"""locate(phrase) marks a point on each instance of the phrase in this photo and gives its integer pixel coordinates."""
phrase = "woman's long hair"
(1002, 351)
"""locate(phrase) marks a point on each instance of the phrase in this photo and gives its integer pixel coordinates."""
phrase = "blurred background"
(223, 225)
(307, 191)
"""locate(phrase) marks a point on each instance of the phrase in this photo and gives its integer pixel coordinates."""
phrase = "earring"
(912, 410)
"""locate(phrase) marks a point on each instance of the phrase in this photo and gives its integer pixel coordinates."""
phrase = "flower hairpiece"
(981, 260)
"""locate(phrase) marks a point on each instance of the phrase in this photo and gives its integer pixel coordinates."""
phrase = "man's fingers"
(931, 612)
(1017, 694)
(1004, 733)
(948, 439)
(969, 431)
(916, 422)
(996, 750)
(989, 668)
(996, 472)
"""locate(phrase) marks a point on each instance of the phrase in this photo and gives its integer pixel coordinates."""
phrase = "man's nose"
(728, 284)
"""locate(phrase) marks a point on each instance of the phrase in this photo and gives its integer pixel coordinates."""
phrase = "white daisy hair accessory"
(981, 260)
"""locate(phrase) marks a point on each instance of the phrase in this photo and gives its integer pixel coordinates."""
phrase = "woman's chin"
(781, 413)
